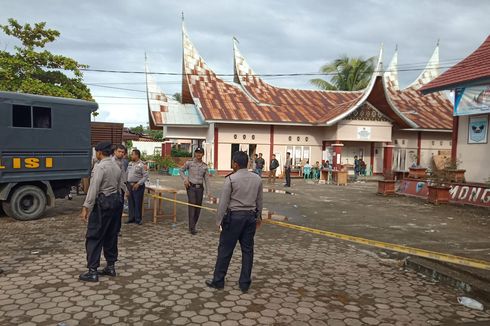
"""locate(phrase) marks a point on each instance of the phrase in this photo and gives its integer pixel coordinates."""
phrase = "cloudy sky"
(276, 36)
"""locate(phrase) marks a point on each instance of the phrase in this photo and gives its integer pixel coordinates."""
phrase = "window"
(41, 117)
(26, 117)
(21, 116)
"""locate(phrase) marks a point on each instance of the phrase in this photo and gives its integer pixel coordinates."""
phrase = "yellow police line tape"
(475, 263)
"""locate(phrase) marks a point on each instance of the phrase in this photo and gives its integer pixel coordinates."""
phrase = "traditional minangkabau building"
(470, 78)
(390, 128)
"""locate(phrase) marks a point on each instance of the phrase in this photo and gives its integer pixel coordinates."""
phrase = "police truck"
(44, 151)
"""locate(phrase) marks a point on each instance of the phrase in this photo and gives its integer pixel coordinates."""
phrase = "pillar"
(216, 148)
(388, 160)
(271, 152)
(372, 158)
(419, 146)
(337, 155)
(454, 139)
(166, 148)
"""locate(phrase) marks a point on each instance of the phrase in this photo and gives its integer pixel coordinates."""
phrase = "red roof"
(473, 68)
(250, 99)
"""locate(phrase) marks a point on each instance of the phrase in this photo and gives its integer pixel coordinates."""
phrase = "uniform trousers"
(135, 203)
(287, 171)
(103, 227)
(195, 194)
(237, 226)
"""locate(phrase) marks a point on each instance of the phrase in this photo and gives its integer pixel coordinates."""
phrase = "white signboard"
(364, 133)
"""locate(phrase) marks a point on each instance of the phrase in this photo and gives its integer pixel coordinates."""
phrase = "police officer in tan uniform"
(196, 182)
(137, 176)
(239, 214)
(101, 211)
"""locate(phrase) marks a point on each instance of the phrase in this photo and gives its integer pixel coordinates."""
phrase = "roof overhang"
(469, 83)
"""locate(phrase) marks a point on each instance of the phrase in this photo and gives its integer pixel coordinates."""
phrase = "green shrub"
(179, 153)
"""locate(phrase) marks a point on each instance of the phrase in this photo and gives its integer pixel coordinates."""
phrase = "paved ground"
(299, 279)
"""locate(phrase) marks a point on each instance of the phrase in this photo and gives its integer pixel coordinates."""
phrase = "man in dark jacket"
(273, 169)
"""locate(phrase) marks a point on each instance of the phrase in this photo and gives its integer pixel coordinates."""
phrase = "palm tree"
(349, 74)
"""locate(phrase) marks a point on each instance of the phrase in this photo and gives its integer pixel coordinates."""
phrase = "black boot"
(214, 285)
(109, 270)
(90, 276)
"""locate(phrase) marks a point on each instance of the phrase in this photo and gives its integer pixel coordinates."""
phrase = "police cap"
(199, 150)
(104, 146)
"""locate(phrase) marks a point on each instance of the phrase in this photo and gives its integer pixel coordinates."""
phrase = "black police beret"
(104, 146)
(199, 150)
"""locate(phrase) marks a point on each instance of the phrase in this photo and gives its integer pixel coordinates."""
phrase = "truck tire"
(26, 203)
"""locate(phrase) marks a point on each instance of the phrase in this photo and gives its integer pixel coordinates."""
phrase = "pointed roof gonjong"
(422, 112)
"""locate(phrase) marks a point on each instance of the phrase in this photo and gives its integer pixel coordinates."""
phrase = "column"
(419, 147)
(271, 142)
(166, 148)
(216, 149)
(337, 155)
(454, 139)
(372, 158)
(388, 160)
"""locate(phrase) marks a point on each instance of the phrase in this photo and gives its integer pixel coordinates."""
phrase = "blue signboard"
(472, 100)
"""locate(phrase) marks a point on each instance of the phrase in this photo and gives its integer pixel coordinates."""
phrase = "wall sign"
(478, 129)
(472, 100)
(364, 133)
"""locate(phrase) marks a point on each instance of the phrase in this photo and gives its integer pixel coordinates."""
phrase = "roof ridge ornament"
(430, 72)
(391, 74)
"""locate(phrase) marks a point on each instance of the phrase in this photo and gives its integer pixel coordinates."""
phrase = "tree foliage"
(32, 69)
(349, 74)
(154, 134)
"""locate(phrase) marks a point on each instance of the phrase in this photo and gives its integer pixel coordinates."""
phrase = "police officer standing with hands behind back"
(137, 176)
(101, 210)
(239, 214)
(194, 183)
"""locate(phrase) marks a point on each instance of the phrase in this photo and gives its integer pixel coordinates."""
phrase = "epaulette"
(226, 176)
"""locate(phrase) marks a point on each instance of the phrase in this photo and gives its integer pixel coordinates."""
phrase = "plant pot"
(438, 195)
(456, 175)
(386, 187)
(417, 173)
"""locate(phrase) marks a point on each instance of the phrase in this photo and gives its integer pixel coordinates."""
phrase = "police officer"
(239, 214)
(101, 210)
(118, 158)
(196, 182)
(137, 176)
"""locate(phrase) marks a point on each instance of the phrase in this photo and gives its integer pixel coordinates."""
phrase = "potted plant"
(454, 174)
(417, 172)
(386, 186)
(439, 186)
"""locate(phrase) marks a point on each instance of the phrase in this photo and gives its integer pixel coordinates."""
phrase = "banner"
(472, 100)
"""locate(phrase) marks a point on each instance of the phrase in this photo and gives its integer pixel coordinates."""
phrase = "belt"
(243, 213)
(195, 185)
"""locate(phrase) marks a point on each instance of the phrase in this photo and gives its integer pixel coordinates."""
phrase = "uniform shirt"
(242, 191)
(106, 179)
(124, 174)
(288, 163)
(198, 173)
(137, 172)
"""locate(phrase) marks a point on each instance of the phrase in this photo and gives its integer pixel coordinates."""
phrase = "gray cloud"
(275, 36)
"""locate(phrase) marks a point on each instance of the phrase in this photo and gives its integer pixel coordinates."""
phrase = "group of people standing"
(239, 212)
(259, 164)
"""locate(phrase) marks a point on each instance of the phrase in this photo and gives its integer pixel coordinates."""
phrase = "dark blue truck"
(44, 151)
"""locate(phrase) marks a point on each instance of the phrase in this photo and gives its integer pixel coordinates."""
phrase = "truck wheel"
(27, 203)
